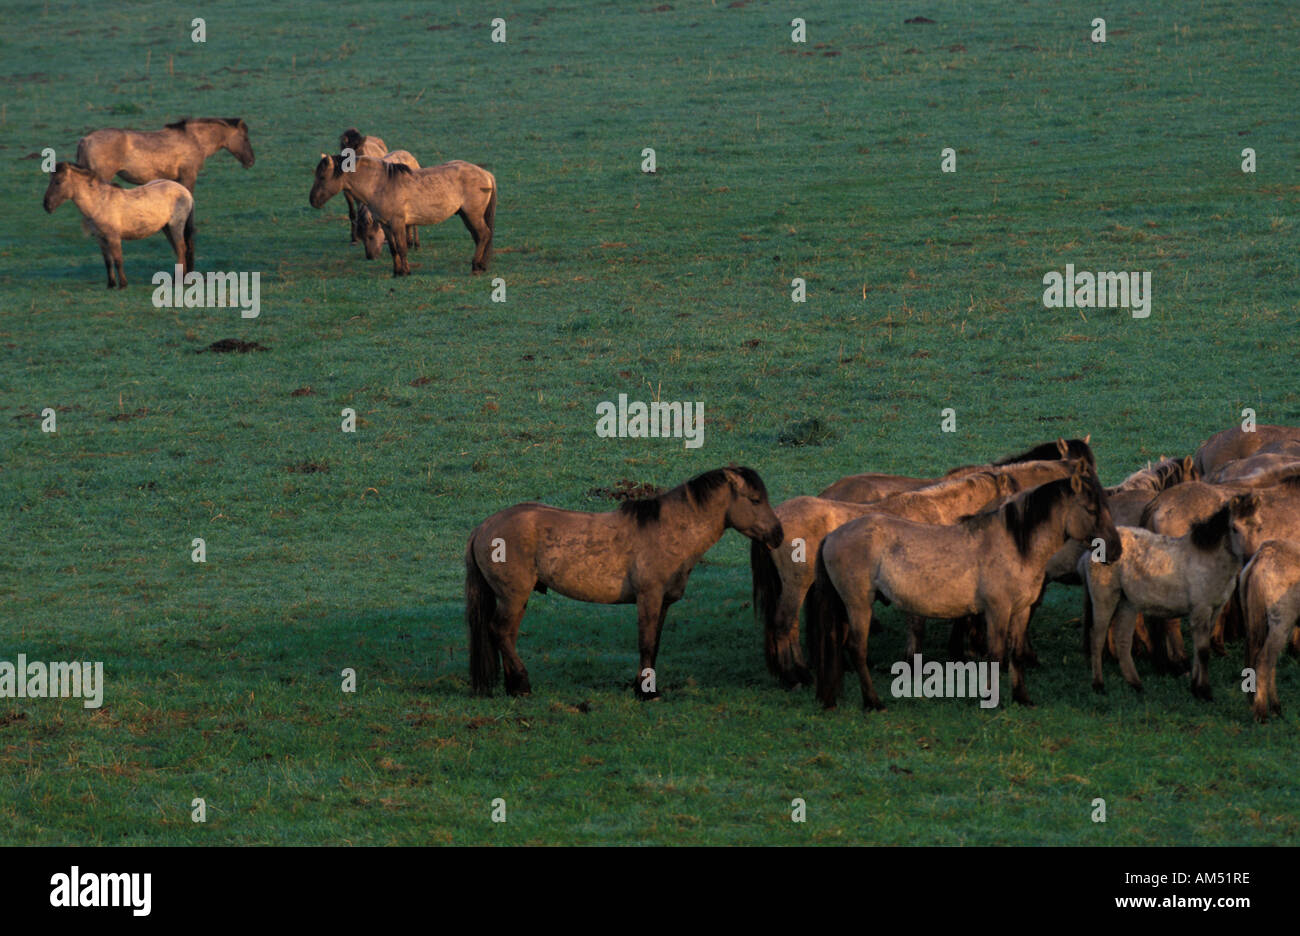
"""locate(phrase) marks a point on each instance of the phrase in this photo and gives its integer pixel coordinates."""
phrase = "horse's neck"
(1049, 537)
(960, 493)
(209, 137)
(365, 178)
(702, 525)
(90, 195)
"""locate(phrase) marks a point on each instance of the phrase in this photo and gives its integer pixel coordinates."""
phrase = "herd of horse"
(388, 193)
(1213, 538)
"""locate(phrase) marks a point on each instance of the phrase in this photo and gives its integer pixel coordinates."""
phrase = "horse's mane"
(1048, 451)
(396, 169)
(696, 491)
(1159, 477)
(1208, 533)
(1025, 513)
(228, 121)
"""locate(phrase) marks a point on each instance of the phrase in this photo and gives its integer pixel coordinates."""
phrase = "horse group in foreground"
(388, 193)
(977, 547)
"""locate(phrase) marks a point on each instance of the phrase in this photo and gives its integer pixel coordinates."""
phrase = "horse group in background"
(389, 195)
(1213, 537)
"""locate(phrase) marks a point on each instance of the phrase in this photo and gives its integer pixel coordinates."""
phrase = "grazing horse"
(865, 488)
(1232, 444)
(1164, 576)
(1270, 597)
(177, 152)
(399, 197)
(370, 230)
(641, 553)
(112, 214)
(991, 563)
(362, 145)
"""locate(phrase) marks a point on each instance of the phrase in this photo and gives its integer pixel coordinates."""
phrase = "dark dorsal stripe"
(1076, 448)
(396, 169)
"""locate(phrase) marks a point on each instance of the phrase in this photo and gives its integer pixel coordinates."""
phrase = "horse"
(1269, 586)
(361, 145)
(370, 231)
(112, 214)
(1165, 576)
(781, 577)
(1232, 444)
(399, 197)
(872, 486)
(642, 553)
(1266, 514)
(1263, 469)
(991, 563)
(176, 152)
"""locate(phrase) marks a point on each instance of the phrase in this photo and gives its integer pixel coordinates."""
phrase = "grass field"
(776, 160)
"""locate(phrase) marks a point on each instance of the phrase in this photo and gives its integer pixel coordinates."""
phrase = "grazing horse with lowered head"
(361, 145)
(991, 563)
(176, 152)
(641, 553)
(368, 228)
(1270, 598)
(112, 214)
(400, 197)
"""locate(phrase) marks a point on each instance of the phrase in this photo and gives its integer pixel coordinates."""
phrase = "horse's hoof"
(647, 696)
(1022, 698)
(1137, 687)
(1099, 688)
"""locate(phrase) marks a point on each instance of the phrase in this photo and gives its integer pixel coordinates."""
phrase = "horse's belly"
(930, 593)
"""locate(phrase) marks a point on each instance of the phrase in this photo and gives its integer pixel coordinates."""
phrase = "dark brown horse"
(362, 145)
(400, 197)
(112, 214)
(176, 152)
(641, 553)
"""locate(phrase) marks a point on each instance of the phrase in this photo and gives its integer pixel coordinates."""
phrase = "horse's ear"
(1063, 448)
(1087, 438)
(1189, 468)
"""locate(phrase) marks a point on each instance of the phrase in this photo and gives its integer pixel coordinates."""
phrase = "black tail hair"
(480, 609)
(767, 595)
(490, 219)
(189, 241)
(826, 624)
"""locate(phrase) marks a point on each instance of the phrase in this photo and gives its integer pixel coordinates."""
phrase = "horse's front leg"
(1202, 624)
(352, 215)
(650, 611)
(115, 245)
(915, 635)
(396, 232)
(108, 261)
(1018, 628)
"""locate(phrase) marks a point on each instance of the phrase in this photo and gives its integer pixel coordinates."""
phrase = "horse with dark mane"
(361, 145)
(177, 152)
(991, 564)
(641, 553)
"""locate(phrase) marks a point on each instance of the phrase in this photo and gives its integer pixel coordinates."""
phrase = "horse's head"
(61, 185)
(352, 139)
(1247, 526)
(237, 141)
(371, 231)
(1087, 511)
(329, 180)
(749, 512)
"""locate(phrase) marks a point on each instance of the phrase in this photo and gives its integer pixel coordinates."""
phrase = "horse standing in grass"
(865, 488)
(112, 214)
(399, 197)
(1162, 576)
(368, 228)
(1270, 597)
(1232, 444)
(641, 553)
(176, 152)
(361, 145)
(990, 564)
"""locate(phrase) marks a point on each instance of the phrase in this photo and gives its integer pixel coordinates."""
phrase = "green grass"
(775, 161)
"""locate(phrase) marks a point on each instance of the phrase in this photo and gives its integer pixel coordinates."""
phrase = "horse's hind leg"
(915, 635)
(1104, 603)
(115, 246)
(505, 634)
(482, 235)
(1125, 625)
(413, 236)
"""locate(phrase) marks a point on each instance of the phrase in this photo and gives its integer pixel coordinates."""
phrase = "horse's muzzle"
(775, 538)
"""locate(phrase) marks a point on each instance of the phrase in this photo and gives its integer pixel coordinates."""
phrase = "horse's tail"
(767, 595)
(480, 609)
(826, 623)
(189, 240)
(1087, 619)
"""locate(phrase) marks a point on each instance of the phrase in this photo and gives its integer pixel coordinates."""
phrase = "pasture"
(775, 160)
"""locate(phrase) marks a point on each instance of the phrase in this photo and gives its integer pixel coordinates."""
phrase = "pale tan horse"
(990, 564)
(361, 145)
(369, 230)
(1270, 597)
(112, 214)
(872, 486)
(400, 197)
(641, 553)
(176, 152)
(1161, 576)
